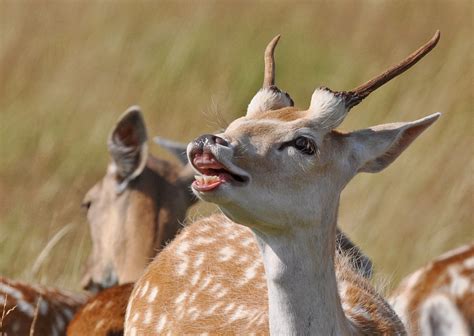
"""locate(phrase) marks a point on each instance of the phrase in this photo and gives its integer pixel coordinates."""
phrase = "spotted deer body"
(215, 283)
(438, 299)
(279, 171)
(27, 309)
(102, 315)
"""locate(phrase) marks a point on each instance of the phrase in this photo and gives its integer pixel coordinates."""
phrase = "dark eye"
(305, 145)
(86, 205)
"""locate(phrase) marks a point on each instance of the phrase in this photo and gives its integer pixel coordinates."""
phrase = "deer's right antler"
(355, 96)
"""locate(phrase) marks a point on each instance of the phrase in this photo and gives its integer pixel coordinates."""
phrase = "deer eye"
(305, 145)
(86, 205)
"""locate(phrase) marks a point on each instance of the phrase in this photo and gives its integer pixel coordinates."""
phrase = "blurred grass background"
(68, 70)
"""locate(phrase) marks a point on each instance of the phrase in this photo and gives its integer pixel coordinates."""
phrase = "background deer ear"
(176, 148)
(128, 146)
(377, 147)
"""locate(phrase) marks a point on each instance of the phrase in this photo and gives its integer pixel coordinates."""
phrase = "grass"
(68, 69)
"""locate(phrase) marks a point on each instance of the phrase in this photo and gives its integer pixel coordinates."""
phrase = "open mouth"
(213, 173)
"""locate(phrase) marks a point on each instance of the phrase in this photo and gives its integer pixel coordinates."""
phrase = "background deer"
(438, 299)
(93, 319)
(104, 314)
(258, 173)
(36, 310)
(135, 209)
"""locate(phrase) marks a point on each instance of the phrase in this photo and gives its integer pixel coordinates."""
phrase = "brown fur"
(129, 227)
(439, 276)
(210, 279)
(102, 315)
(52, 307)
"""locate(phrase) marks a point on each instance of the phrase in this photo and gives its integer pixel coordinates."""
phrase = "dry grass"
(68, 69)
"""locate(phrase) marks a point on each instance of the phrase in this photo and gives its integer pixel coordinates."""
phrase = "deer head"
(135, 208)
(279, 162)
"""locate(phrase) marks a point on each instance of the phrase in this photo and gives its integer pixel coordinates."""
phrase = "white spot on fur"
(247, 242)
(133, 331)
(60, 323)
(243, 259)
(195, 278)
(161, 323)
(11, 292)
(153, 294)
(144, 289)
(213, 308)
(99, 324)
(135, 317)
(43, 307)
(192, 297)
(148, 316)
(222, 293)
(229, 307)
(238, 314)
(414, 278)
(469, 263)
(460, 285)
(182, 267)
(193, 313)
(183, 248)
(216, 288)
(90, 306)
(226, 253)
(199, 260)
(204, 240)
(206, 281)
(181, 297)
(25, 307)
(250, 273)
(68, 313)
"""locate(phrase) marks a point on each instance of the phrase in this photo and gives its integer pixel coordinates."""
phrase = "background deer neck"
(301, 280)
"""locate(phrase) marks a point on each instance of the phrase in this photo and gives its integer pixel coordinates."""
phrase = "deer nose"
(207, 140)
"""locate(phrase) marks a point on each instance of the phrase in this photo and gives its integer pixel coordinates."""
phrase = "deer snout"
(203, 144)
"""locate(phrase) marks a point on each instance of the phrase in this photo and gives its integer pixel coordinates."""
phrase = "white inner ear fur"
(327, 109)
(143, 159)
(125, 157)
(267, 99)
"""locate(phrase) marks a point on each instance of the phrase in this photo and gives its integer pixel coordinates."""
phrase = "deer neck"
(301, 279)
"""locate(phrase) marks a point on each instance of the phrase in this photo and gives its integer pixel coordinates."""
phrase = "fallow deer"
(93, 319)
(36, 310)
(279, 172)
(135, 209)
(438, 299)
(104, 314)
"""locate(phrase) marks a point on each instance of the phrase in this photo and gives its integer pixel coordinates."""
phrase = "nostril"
(220, 141)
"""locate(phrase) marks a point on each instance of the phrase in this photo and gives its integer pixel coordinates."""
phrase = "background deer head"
(135, 209)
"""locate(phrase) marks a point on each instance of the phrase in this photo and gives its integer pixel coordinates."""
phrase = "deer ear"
(377, 147)
(176, 148)
(127, 146)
